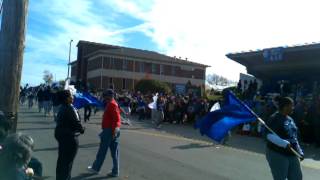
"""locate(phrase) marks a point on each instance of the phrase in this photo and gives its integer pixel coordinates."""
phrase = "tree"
(152, 86)
(215, 79)
(47, 77)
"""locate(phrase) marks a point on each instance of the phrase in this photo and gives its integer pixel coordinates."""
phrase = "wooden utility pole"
(12, 43)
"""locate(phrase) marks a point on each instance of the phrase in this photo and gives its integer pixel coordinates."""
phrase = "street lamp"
(69, 58)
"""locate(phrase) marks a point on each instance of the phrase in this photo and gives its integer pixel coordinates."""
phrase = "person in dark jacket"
(66, 133)
(47, 98)
(40, 95)
(284, 164)
(87, 113)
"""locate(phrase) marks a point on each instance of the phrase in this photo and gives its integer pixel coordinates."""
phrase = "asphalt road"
(149, 153)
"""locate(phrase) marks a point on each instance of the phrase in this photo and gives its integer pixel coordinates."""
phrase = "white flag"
(215, 107)
(69, 87)
(153, 105)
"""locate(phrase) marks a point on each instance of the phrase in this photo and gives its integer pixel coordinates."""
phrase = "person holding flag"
(284, 164)
(283, 149)
(220, 120)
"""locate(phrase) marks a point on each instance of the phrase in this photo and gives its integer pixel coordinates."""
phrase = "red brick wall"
(130, 65)
(129, 84)
(117, 64)
(167, 70)
(117, 84)
(147, 67)
(137, 66)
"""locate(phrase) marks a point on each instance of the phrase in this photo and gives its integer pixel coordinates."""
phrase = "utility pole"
(12, 44)
(0, 7)
(68, 75)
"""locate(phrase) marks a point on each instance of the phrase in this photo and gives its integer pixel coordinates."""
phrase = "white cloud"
(206, 30)
(202, 30)
(71, 19)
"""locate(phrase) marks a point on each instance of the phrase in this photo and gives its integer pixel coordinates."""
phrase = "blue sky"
(202, 30)
(51, 25)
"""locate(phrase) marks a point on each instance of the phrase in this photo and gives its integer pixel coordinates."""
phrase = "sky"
(203, 31)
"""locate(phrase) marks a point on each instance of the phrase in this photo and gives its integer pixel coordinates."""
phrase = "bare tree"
(215, 79)
(47, 77)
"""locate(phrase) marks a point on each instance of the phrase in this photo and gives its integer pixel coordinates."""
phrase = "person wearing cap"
(109, 137)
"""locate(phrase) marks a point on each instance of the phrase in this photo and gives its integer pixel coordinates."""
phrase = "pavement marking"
(180, 138)
(174, 137)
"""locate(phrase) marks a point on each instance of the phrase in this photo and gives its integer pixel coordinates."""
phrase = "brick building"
(101, 65)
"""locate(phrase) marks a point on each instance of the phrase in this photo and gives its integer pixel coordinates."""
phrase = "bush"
(152, 86)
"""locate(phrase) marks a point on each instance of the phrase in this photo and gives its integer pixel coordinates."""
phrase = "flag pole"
(263, 123)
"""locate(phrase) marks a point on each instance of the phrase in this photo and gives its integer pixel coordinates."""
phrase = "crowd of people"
(158, 108)
(306, 113)
(177, 109)
(181, 109)
(16, 160)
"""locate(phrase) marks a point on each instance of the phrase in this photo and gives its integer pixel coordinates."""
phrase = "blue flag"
(83, 99)
(216, 124)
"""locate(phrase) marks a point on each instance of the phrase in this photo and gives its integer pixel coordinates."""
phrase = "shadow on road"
(41, 178)
(46, 149)
(192, 146)
(31, 129)
(89, 145)
(83, 176)
(37, 122)
(82, 146)
(88, 176)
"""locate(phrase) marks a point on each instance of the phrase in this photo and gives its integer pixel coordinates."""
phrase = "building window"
(111, 62)
(125, 65)
(141, 67)
(111, 83)
(161, 69)
(173, 70)
(123, 83)
(154, 69)
(106, 62)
